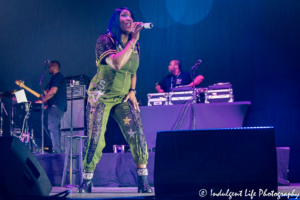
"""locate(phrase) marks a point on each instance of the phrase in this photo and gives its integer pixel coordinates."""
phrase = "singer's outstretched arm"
(117, 61)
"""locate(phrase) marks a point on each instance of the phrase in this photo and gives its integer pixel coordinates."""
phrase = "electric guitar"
(22, 85)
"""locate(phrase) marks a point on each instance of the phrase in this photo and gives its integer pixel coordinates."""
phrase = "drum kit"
(25, 136)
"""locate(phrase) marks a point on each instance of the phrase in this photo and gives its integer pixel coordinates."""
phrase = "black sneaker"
(86, 186)
(143, 185)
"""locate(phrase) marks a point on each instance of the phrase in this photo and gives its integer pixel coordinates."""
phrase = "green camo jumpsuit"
(106, 94)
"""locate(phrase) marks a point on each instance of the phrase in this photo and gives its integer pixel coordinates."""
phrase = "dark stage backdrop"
(253, 44)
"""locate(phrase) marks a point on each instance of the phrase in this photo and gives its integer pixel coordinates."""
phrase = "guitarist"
(56, 98)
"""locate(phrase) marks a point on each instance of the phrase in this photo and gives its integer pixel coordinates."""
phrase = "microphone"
(47, 62)
(146, 25)
(198, 62)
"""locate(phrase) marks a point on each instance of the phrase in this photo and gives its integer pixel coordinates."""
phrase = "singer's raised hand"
(135, 31)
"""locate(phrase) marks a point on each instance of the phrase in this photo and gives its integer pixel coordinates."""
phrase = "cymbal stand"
(33, 141)
(2, 108)
(26, 136)
(12, 123)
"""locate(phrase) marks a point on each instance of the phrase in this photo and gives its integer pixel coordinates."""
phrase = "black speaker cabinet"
(20, 171)
(198, 163)
(78, 117)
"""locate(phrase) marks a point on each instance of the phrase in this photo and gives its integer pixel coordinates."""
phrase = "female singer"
(112, 92)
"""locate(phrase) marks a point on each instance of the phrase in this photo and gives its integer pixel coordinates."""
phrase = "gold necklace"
(172, 79)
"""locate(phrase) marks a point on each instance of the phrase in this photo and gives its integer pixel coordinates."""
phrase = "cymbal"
(7, 94)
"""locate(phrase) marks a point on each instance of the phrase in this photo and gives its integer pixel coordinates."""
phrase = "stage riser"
(283, 155)
(113, 170)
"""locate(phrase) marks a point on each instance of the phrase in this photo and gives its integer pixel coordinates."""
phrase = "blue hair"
(114, 25)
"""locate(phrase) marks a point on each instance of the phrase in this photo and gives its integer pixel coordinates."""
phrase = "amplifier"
(77, 80)
(79, 91)
(158, 99)
(78, 115)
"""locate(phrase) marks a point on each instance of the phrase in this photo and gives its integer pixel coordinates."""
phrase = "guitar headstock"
(20, 83)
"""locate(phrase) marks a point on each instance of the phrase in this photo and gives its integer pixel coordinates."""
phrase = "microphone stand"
(1, 119)
(71, 136)
(42, 97)
(194, 96)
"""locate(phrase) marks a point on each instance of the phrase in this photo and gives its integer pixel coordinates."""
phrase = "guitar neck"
(31, 91)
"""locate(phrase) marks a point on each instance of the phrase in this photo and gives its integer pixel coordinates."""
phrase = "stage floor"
(131, 192)
(103, 193)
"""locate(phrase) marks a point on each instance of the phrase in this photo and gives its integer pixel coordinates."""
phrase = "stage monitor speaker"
(198, 163)
(78, 114)
(20, 171)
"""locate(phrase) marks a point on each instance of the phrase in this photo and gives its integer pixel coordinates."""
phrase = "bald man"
(176, 77)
